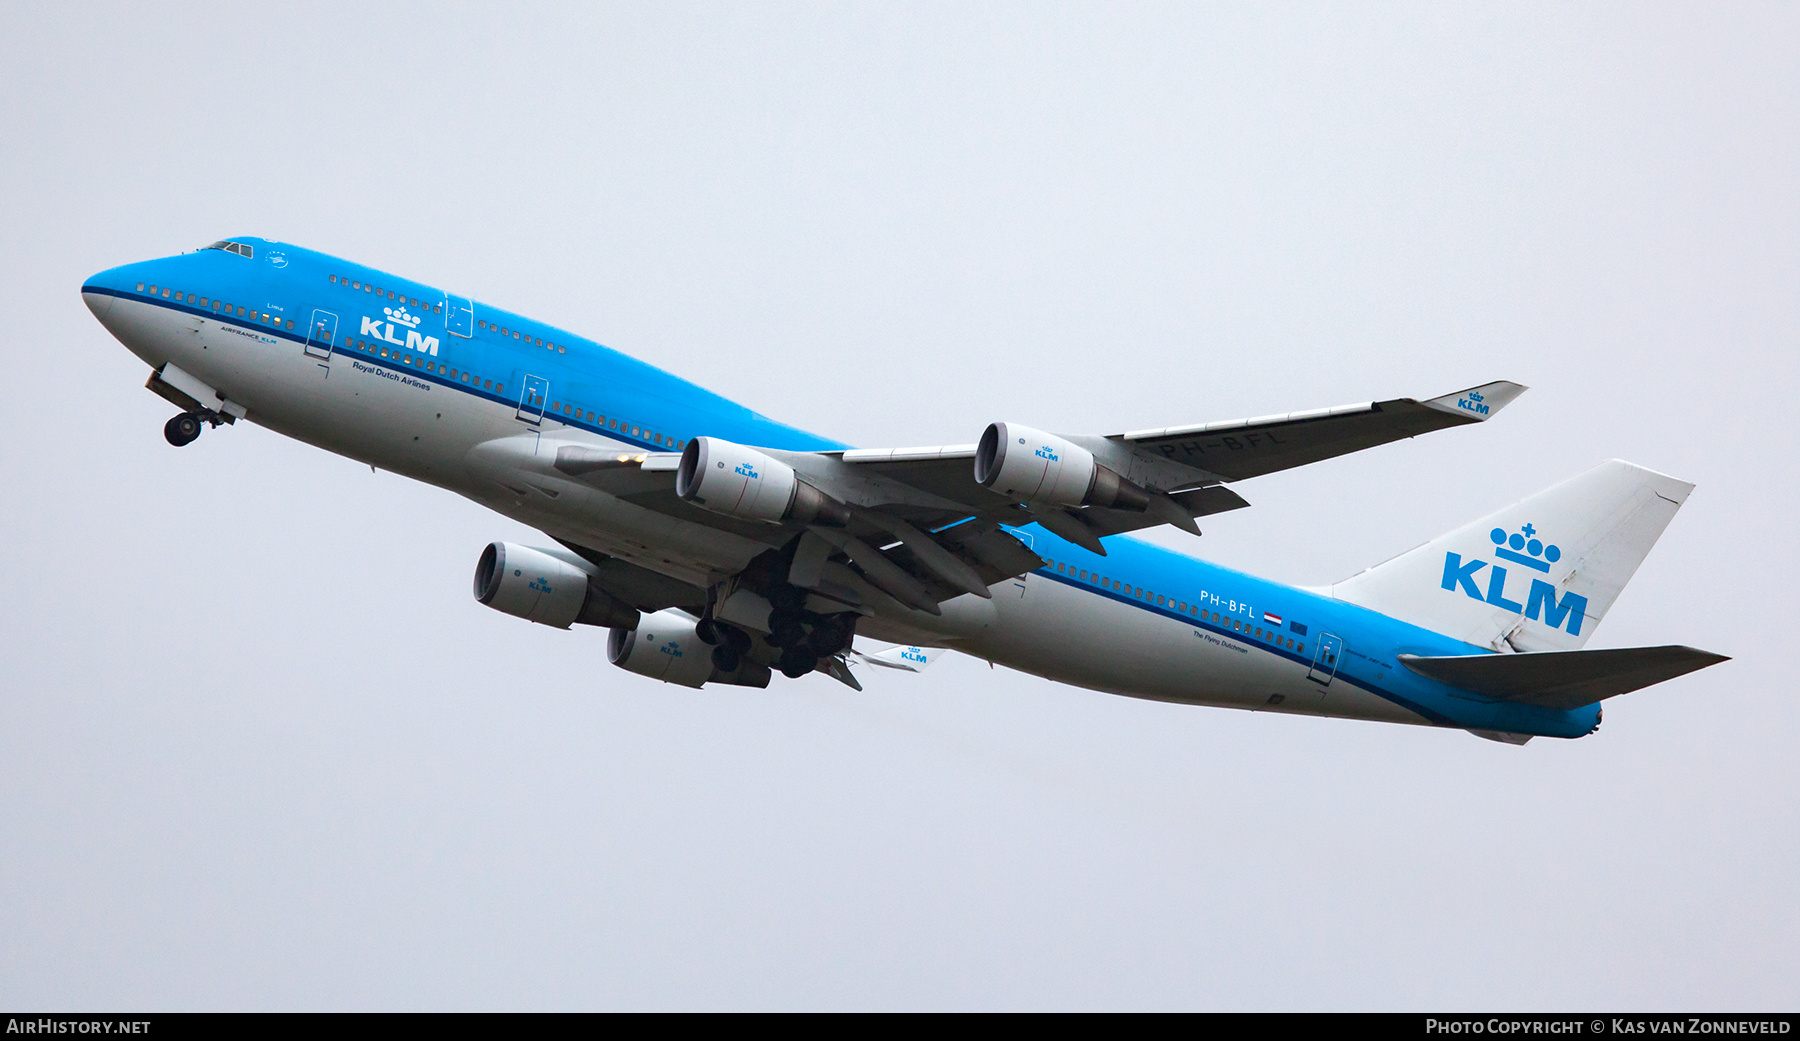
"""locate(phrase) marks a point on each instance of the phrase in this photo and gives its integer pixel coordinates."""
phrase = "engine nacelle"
(739, 481)
(1028, 465)
(665, 647)
(544, 588)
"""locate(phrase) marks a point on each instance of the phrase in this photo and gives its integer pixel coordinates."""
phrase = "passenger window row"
(1273, 636)
(375, 349)
(218, 306)
(535, 341)
(378, 350)
(355, 343)
(387, 293)
(564, 408)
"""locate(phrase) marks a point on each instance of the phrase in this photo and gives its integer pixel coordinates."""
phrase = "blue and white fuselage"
(480, 401)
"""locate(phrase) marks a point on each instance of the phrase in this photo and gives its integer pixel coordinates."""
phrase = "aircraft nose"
(99, 290)
(99, 303)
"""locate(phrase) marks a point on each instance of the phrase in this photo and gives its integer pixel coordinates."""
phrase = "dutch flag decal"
(1272, 619)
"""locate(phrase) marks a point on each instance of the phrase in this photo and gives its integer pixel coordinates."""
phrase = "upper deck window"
(242, 249)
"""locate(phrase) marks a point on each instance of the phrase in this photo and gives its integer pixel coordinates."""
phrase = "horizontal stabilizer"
(1562, 679)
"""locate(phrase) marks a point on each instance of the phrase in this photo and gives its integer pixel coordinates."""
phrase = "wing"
(1240, 448)
(896, 531)
(1179, 471)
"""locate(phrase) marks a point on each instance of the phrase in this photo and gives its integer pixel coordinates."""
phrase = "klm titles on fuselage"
(378, 329)
(1541, 601)
(377, 370)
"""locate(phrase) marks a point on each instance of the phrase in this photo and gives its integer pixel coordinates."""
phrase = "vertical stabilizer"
(1536, 576)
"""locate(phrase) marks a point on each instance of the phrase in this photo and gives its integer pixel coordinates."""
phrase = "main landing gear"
(184, 428)
(798, 638)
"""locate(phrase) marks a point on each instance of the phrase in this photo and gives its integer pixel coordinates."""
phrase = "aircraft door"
(1325, 659)
(1019, 583)
(533, 398)
(459, 316)
(321, 333)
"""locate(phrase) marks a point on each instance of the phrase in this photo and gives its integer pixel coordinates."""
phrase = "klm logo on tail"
(1525, 549)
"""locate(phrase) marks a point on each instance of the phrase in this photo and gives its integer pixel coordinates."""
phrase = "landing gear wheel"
(725, 659)
(183, 429)
(829, 637)
(788, 599)
(785, 630)
(795, 663)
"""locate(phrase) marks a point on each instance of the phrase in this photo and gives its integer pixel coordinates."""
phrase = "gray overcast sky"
(259, 747)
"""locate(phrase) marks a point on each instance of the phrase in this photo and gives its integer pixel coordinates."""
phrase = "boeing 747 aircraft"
(719, 546)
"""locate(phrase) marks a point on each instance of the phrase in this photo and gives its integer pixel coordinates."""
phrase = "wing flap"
(646, 590)
(1562, 679)
(1000, 556)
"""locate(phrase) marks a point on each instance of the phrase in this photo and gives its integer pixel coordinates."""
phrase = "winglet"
(907, 659)
(1478, 403)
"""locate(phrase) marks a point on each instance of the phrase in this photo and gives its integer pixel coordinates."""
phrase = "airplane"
(719, 546)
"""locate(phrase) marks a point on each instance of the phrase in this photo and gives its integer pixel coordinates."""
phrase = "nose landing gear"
(192, 397)
(184, 428)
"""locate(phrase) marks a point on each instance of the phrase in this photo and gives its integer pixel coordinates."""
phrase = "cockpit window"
(242, 249)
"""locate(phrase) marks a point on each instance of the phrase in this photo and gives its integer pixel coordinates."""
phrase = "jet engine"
(1031, 466)
(544, 588)
(742, 482)
(664, 646)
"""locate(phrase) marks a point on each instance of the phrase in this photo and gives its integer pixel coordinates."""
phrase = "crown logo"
(1507, 547)
(1475, 395)
(399, 314)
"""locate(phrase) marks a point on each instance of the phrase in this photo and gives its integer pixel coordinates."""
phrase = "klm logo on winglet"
(1540, 602)
(915, 655)
(1472, 402)
(384, 330)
